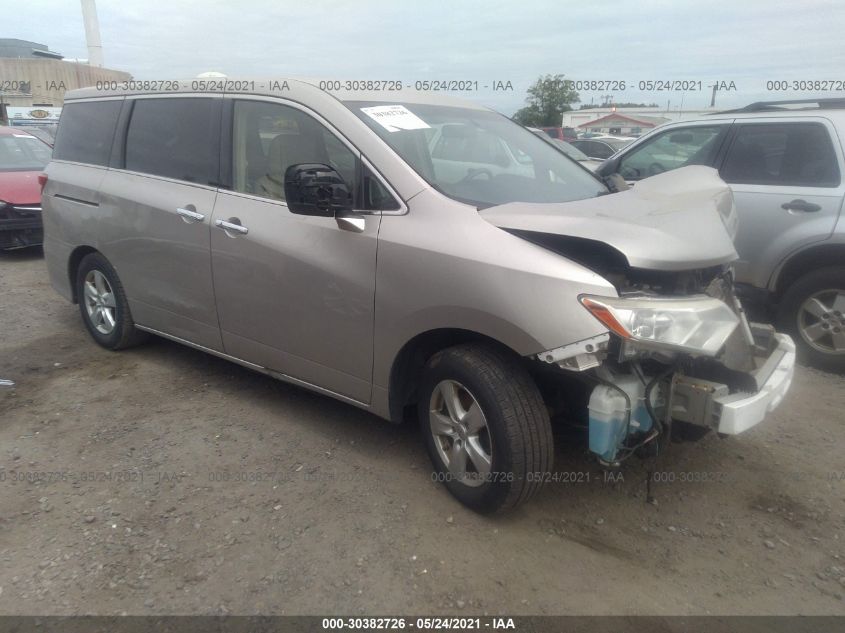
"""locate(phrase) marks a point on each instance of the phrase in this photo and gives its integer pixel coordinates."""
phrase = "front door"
(294, 293)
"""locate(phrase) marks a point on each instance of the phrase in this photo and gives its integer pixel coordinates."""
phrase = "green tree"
(548, 98)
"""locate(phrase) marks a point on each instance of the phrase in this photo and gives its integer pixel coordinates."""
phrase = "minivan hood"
(672, 221)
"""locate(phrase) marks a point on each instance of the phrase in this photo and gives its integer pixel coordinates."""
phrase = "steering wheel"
(474, 173)
(656, 168)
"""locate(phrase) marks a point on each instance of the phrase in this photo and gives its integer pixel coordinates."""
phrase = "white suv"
(784, 162)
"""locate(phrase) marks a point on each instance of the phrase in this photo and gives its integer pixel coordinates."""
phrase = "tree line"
(548, 98)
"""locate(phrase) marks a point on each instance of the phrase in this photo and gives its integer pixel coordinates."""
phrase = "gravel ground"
(161, 480)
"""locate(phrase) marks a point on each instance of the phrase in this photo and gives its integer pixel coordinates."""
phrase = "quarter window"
(672, 149)
(376, 195)
(86, 131)
(175, 138)
(791, 154)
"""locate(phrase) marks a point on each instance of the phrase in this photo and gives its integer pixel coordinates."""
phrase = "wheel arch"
(408, 365)
(74, 260)
(803, 262)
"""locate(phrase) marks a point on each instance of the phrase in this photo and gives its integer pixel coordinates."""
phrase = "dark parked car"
(600, 148)
(567, 148)
(22, 158)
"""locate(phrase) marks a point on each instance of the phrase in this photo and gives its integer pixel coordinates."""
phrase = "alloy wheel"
(100, 302)
(821, 321)
(460, 432)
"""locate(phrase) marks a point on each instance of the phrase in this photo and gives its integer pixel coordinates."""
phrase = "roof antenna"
(92, 33)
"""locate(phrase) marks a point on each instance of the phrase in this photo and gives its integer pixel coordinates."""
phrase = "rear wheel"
(813, 311)
(103, 305)
(486, 427)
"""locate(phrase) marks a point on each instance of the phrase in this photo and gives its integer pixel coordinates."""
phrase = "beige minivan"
(419, 257)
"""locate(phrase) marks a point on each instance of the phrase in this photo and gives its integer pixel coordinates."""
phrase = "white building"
(627, 121)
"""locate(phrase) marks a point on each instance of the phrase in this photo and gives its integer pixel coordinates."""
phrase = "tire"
(803, 318)
(103, 305)
(515, 442)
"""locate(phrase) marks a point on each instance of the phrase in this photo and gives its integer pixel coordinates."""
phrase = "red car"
(22, 158)
(561, 133)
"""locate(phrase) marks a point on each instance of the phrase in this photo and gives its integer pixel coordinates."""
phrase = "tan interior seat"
(285, 150)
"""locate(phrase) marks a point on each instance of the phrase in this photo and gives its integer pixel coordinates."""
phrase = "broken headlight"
(697, 325)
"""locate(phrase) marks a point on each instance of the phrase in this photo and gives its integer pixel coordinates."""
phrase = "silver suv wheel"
(821, 321)
(100, 302)
(460, 433)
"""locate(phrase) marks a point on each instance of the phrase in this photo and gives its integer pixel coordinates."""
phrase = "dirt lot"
(163, 480)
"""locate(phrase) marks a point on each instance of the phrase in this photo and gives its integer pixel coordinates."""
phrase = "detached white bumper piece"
(740, 411)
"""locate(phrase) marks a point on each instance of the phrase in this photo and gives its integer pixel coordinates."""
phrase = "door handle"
(231, 226)
(190, 214)
(801, 205)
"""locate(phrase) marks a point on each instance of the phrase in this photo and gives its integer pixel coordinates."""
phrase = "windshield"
(477, 156)
(23, 152)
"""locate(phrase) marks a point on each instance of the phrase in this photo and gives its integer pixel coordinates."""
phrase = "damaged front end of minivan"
(678, 347)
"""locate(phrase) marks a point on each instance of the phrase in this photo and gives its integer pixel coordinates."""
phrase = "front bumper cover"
(19, 232)
(740, 411)
(731, 406)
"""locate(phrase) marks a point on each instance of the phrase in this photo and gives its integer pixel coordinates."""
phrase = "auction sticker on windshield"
(395, 117)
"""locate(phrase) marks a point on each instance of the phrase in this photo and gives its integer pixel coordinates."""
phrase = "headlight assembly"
(697, 325)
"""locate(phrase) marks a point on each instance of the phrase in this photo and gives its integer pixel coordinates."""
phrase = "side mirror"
(607, 167)
(316, 189)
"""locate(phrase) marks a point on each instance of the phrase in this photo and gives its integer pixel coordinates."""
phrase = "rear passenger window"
(174, 137)
(790, 154)
(86, 131)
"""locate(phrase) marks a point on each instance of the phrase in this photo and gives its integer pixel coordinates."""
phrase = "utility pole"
(92, 33)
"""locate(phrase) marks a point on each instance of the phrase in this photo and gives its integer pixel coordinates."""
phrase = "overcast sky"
(747, 42)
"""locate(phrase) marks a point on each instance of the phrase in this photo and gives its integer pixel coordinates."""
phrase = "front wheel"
(813, 311)
(486, 427)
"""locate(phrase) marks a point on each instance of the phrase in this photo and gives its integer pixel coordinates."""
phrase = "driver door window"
(268, 138)
(672, 149)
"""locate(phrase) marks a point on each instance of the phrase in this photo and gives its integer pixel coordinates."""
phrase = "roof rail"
(830, 103)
